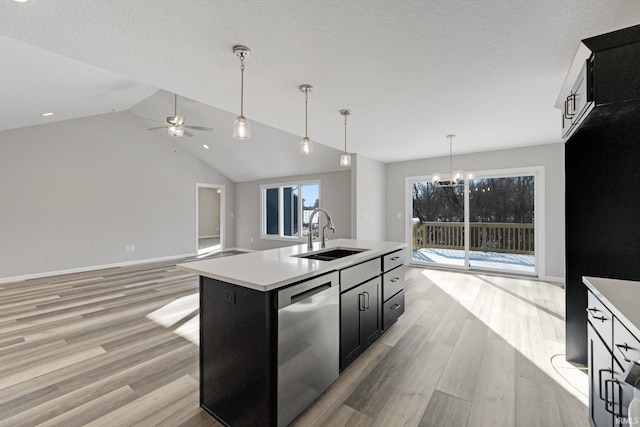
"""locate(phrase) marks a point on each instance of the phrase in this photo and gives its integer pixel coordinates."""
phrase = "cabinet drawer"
(352, 276)
(392, 282)
(601, 318)
(626, 347)
(392, 309)
(392, 260)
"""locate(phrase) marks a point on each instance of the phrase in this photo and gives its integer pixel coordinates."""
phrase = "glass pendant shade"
(345, 160)
(241, 128)
(176, 131)
(306, 146)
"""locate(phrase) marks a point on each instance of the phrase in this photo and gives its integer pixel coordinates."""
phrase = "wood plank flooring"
(119, 347)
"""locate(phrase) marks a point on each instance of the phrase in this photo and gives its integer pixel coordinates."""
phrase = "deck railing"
(483, 236)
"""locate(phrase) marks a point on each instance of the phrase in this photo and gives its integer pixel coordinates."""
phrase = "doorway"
(209, 219)
(489, 222)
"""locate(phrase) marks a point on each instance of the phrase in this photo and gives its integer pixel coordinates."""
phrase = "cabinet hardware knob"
(395, 258)
(590, 310)
(395, 279)
(624, 347)
(395, 307)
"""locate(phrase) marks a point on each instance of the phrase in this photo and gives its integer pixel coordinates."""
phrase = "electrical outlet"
(229, 296)
(127, 248)
(133, 248)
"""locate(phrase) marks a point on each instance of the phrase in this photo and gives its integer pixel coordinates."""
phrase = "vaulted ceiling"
(411, 71)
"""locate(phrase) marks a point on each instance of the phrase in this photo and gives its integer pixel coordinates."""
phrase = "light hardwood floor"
(118, 347)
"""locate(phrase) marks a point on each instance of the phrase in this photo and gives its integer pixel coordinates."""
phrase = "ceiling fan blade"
(153, 120)
(199, 128)
(161, 127)
(187, 133)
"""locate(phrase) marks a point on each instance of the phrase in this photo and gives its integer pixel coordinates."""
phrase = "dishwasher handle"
(306, 289)
(310, 292)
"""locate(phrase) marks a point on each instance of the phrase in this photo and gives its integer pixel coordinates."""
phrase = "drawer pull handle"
(395, 279)
(361, 302)
(600, 371)
(395, 306)
(395, 258)
(613, 403)
(367, 301)
(591, 310)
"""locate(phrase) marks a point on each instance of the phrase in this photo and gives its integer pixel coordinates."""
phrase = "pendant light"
(455, 177)
(306, 146)
(241, 126)
(345, 159)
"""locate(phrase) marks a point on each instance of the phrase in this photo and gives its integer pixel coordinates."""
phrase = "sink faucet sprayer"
(329, 225)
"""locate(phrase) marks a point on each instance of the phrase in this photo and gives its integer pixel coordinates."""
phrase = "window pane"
(310, 201)
(290, 210)
(501, 216)
(438, 224)
(271, 210)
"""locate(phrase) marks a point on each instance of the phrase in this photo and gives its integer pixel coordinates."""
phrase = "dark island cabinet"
(360, 309)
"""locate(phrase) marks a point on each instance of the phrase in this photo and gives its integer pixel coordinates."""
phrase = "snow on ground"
(493, 260)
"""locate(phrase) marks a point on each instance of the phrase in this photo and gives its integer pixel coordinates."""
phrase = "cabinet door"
(351, 307)
(599, 373)
(371, 316)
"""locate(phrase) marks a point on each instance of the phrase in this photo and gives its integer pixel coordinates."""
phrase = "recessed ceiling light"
(205, 146)
(44, 114)
(20, 1)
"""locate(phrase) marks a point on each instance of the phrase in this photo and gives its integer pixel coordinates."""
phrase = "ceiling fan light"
(176, 131)
(241, 128)
(306, 146)
(345, 160)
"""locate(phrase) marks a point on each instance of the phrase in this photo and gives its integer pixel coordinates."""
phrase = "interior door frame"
(539, 216)
(220, 187)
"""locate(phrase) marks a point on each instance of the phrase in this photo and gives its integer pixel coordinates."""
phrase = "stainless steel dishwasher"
(308, 343)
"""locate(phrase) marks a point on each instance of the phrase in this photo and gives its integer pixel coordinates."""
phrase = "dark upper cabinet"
(602, 154)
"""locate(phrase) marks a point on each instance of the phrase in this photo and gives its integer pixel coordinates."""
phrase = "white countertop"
(622, 297)
(274, 268)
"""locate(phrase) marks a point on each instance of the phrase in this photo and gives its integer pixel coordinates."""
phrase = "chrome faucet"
(328, 225)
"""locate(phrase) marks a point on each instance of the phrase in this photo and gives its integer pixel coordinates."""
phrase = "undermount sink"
(332, 254)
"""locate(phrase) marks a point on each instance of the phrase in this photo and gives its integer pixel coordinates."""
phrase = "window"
(286, 209)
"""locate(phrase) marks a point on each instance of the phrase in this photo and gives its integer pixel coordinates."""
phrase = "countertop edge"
(599, 286)
(315, 268)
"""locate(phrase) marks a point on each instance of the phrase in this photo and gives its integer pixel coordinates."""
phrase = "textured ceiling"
(411, 71)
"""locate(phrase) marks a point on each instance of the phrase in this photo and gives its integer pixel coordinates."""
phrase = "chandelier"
(455, 176)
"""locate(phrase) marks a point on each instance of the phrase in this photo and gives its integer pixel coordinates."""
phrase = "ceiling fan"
(175, 124)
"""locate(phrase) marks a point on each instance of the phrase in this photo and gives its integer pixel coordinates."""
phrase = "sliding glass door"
(486, 223)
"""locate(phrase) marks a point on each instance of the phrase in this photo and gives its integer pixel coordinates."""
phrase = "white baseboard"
(552, 279)
(239, 250)
(91, 268)
(208, 237)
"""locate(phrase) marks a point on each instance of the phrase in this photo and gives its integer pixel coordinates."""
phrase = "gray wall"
(76, 193)
(368, 206)
(208, 212)
(335, 196)
(551, 156)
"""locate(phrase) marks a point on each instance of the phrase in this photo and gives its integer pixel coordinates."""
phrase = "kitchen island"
(277, 326)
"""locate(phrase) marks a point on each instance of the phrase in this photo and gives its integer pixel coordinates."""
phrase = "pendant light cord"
(242, 85)
(345, 133)
(175, 105)
(306, 101)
